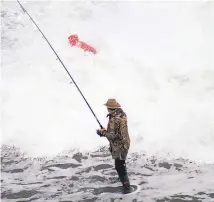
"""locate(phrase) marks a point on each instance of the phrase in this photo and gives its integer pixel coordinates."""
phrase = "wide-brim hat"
(112, 104)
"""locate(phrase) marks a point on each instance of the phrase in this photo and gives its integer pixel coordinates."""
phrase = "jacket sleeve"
(123, 128)
(113, 130)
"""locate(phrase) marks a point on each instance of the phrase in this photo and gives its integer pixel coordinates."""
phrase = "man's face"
(108, 110)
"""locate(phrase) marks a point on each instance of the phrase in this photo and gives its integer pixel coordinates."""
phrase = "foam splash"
(154, 58)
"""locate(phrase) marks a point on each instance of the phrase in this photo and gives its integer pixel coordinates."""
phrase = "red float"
(74, 41)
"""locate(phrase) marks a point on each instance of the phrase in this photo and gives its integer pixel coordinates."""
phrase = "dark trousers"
(120, 166)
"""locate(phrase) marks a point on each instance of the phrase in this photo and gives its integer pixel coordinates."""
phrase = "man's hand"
(100, 132)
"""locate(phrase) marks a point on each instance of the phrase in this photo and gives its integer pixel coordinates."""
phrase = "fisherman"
(118, 137)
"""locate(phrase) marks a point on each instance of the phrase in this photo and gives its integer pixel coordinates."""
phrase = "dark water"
(82, 177)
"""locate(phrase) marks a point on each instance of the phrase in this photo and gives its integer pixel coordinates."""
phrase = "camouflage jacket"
(117, 134)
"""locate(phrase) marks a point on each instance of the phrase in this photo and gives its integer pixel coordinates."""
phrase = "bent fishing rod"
(25, 11)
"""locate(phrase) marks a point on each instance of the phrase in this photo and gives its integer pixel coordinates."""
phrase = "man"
(118, 137)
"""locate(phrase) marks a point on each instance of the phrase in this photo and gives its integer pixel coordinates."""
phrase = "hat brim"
(113, 107)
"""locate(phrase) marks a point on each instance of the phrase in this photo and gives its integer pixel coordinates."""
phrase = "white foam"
(155, 58)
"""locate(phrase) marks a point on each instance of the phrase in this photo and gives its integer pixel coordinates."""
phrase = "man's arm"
(113, 130)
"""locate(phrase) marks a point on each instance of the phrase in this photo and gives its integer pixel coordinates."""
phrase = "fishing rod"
(60, 62)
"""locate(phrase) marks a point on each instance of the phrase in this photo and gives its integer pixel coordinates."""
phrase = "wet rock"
(98, 174)
(141, 174)
(113, 173)
(153, 161)
(71, 185)
(19, 170)
(3, 13)
(96, 168)
(162, 200)
(66, 201)
(149, 168)
(114, 180)
(201, 193)
(211, 195)
(56, 194)
(5, 162)
(20, 194)
(62, 166)
(85, 170)
(79, 156)
(57, 177)
(184, 200)
(46, 185)
(100, 155)
(165, 165)
(102, 166)
(180, 197)
(96, 178)
(143, 182)
(110, 189)
(50, 170)
(100, 190)
(75, 178)
(178, 166)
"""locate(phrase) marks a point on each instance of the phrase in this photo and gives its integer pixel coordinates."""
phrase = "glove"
(99, 133)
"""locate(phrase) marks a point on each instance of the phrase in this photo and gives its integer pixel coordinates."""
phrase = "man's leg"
(126, 183)
(118, 169)
(120, 166)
